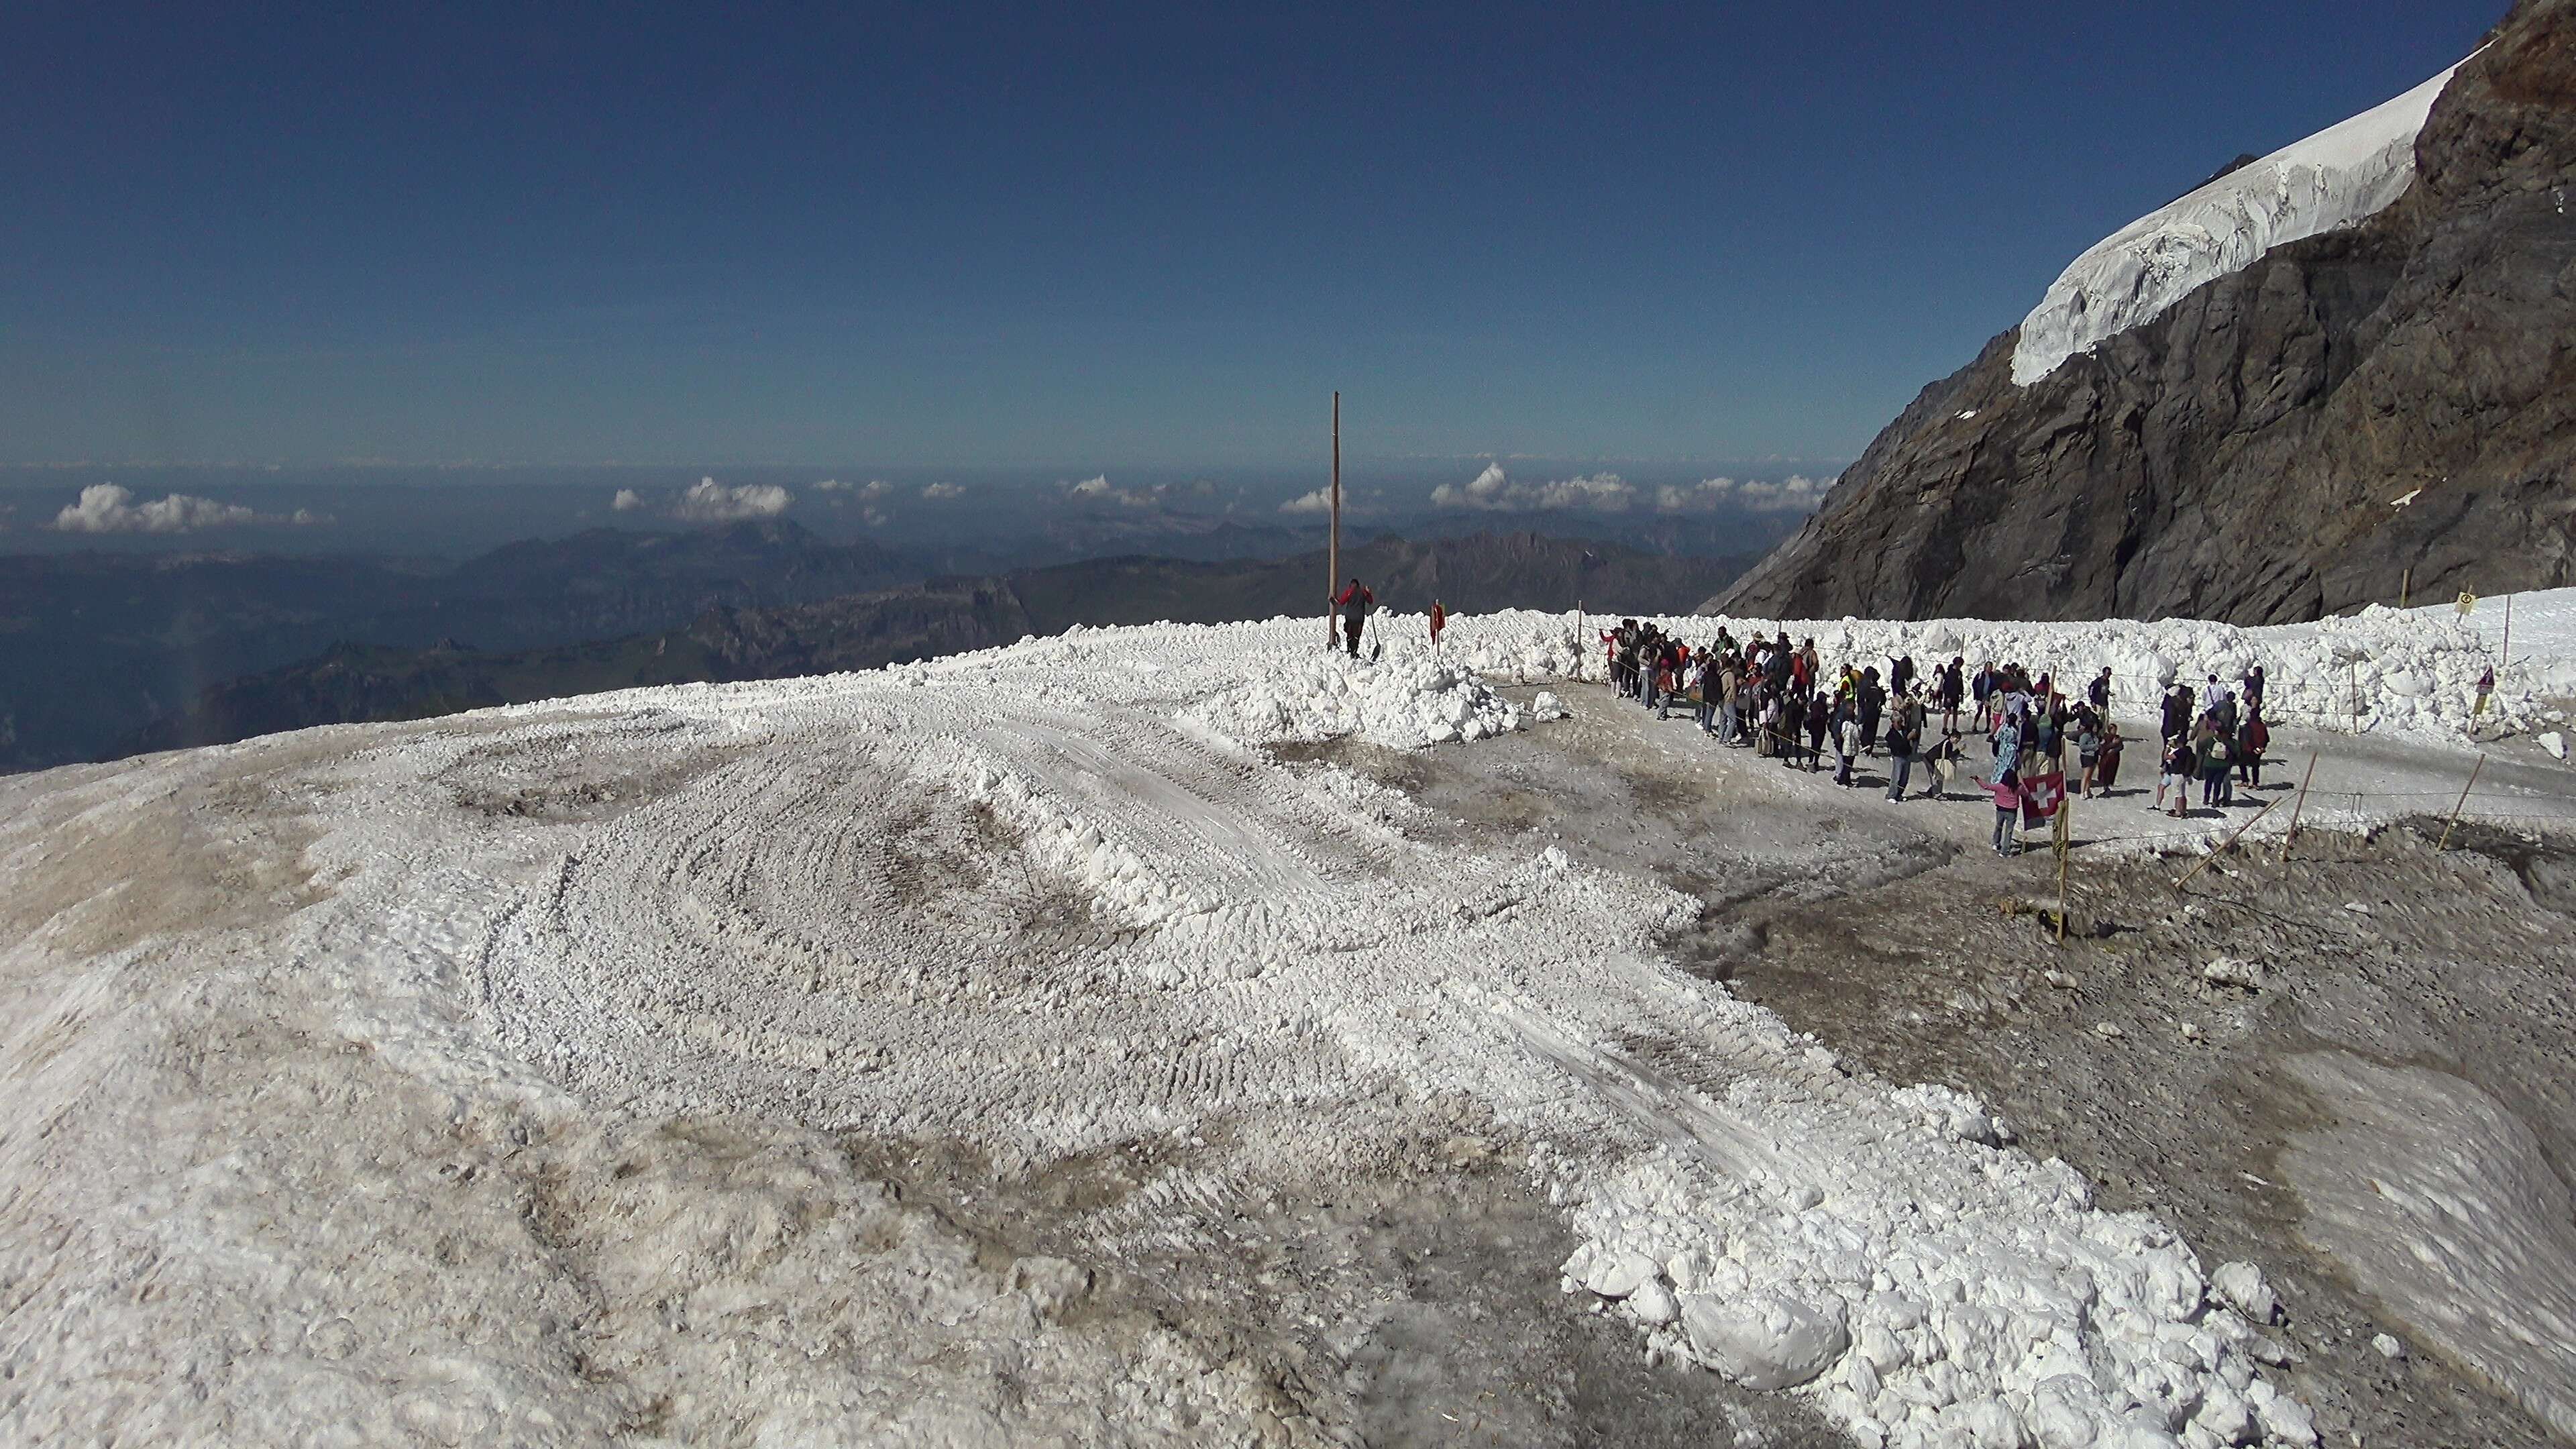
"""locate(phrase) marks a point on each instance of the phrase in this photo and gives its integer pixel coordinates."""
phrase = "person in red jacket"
(1355, 603)
(1439, 621)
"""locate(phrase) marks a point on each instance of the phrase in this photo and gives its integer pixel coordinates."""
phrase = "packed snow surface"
(2485, 1241)
(2332, 179)
(494, 1079)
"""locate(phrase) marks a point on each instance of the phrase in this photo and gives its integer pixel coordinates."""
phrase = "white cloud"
(1319, 501)
(709, 501)
(944, 490)
(875, 517)
(1494, 489)
(873, 488)
(1797, 492)
(110, 508)
(627, 500)
(1100, 489)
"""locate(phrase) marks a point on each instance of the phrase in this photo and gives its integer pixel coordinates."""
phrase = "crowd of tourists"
(1781, 702)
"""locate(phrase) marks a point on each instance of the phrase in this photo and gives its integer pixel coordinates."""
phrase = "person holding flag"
(2005, 784)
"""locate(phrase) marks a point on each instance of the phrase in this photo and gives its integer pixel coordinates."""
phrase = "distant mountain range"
(868, 629)
(95, 645)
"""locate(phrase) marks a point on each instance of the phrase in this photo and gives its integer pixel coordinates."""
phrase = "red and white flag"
(2041, 795)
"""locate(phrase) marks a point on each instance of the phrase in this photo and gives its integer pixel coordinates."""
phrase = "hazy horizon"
(453, 511)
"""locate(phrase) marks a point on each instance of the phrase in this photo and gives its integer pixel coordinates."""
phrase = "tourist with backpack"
(2211, 742)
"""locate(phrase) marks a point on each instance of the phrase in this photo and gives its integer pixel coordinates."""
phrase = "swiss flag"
(2041, 795)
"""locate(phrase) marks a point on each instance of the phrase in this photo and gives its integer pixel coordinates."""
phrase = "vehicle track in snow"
(820, 932)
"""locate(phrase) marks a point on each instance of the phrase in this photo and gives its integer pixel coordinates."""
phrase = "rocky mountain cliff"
(2292, 439)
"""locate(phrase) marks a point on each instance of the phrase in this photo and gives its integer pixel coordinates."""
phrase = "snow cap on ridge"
(2333, 179)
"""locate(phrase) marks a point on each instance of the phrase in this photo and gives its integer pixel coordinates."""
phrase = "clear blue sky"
(973, 235)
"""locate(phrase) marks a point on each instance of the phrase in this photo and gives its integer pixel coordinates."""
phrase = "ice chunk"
(1618, 1274)
(1766, 1340)
(2242, 1285)
(1654, 1304)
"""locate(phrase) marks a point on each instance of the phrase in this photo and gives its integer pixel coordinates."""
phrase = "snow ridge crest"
(2334, 179)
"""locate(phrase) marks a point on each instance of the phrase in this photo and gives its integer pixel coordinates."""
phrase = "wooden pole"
(2226, 845)
(2065, 844)
(1333, 550)
(2302, 804)
(2356, 696)
(2504, 656)
(2405, 582)
(2464, 803)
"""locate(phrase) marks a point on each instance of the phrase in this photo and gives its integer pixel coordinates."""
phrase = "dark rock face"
(2238, 457)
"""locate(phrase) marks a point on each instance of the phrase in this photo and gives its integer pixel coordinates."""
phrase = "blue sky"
(958, 235)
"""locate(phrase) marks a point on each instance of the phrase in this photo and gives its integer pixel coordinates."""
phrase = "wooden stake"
(2464, 803)
(2065, 845)
(2226, 845)
(2404, 583)
(2505, 655)
(2303, 802)
(1333, 550)
(2356, 696)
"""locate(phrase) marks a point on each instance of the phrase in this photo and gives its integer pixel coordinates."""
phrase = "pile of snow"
(1404, 700)
(2331, 180)
(1525, 645)
(1931, 1304)
(2542, 624)
(2412, 671)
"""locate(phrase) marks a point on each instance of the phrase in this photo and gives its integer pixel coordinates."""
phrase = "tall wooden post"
(1333, 551)
(2065, 842)
(2464, 803)
(2302, 805)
